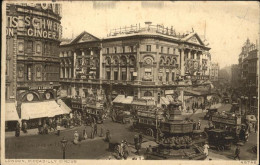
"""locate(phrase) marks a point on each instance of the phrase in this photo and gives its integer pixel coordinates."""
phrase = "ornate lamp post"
(242, 100)
(246, 99)
(63, 145)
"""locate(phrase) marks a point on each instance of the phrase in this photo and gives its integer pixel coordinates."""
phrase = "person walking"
(25, 127)
(76, 138)
(237, 153)
(140, 140)
(95, 129)
(17, 129)
(92, 131)
(206, 149)
(85, 135)
(40, 126)
(137, 144)
(101, 130)
(108, 136)
(199, 124)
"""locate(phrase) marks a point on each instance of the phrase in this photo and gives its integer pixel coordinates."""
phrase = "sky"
(227, 25)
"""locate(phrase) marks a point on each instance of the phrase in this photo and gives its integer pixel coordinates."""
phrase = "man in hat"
(108, 136)
(137, 144)
(17, 129)
(92, 131)
(237, 152)
(95, 129)
(101, 130)
(199, 124)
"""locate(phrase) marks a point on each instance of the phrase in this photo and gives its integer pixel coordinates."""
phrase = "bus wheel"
(149, 132)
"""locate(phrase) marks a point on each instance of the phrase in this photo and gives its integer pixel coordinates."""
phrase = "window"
(29, 46)
(123, 49)
(148, 48)
(29, 72)
(44, 47)
(132, 76)
(167, 76)
(148, 93)
(115, 49)
(173, 76)
(20, 47)
(131, 49)
(77, 92)
(161, 49)
(124, 75)
(38, 48)
(107, 50)
(7, 68)
(108, 75)
(115, 75)
(168, 51)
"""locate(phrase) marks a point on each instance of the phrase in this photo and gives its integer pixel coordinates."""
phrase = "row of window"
(132, 49)
(125, 49)
(37, 47)
(123, 76)
(30, 72)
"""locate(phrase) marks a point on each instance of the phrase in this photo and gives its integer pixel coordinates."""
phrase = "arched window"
(174, 61)
(161, 61)
(116, 61)
(148, 94)
(168, 61)
(108, 61)
(132, 61)
(123, 61)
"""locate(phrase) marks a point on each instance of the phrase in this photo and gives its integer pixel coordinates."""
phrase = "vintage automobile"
(219, 139)
(210, 112)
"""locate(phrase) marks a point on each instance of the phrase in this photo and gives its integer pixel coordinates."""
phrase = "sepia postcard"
(121, 82)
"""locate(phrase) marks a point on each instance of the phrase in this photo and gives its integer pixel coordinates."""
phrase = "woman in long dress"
(85, 135)
(76, 138)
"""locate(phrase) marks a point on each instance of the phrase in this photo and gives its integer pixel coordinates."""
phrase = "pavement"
(34, 146)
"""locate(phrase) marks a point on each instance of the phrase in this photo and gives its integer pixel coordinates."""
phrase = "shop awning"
(119, 99)
(128, 100)
(164, 101)
(10, 112)
(64, 107)
(40, 109)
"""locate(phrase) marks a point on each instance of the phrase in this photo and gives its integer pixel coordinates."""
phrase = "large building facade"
(214, 72)
(145, 62)
(248, 74)
(33, 33)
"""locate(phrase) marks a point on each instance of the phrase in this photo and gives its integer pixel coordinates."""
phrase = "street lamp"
(63, 145)
(246, 99)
